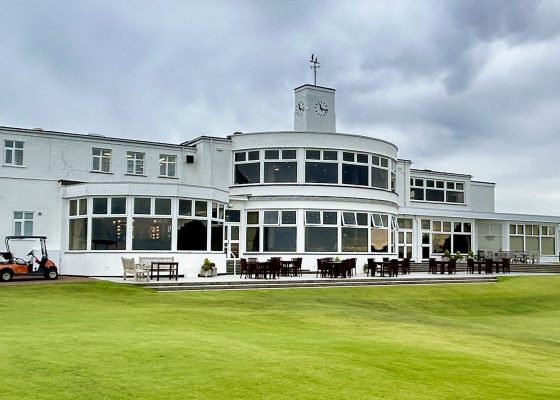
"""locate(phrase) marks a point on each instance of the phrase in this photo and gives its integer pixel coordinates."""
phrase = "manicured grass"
(108, 341)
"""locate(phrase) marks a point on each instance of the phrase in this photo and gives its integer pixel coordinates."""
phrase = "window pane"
(531, 243)
(348, 156)
(118, 205)
(200, 208)
(28, 228)
(217, 236)
(354, 174)
(330, 218)
(313, 217)
(321, 239)
(247, 173)
(377, 220)
(18, 159)
(151, 234)
(354, 239)
(316, 172)
(163, 206)
(240, 156)
(461, 243)
(547, 246)
(384, 162)
(234, 232)
(18, 215)
(288, 217)
(289, 154)
(313, 155)
(379, 240)
(416, 194)
(142, 205)
(349, 218)
(362, 158)
(108, 233)
(77, 234)
(434, 195)
(270, 218)
(455, 197)
(457, 227)
(446, 226)
(252, 239)
(330, 155)
(440, 242)
(82, 206)
(380, 178)
(100, 205)
(253, 155)
(252, 217)
(362, 219)
(185, 207)
(405, 223)
(280, 172)
(279, 238)
(233, 216)
(425, 224)
(272, 154)
(17, 228)
(191, 234)
(516, 243)
(73, 207)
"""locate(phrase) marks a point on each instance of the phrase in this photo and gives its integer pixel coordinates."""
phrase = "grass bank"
(106, 341)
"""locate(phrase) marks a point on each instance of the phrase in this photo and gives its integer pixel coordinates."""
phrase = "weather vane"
(314, 67)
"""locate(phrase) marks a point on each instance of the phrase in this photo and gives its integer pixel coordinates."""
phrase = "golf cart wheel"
(52, 273)
(6, 275)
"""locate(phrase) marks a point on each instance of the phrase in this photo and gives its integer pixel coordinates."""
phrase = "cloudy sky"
(460, 86)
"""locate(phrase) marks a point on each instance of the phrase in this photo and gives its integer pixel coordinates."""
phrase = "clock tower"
(314, 109)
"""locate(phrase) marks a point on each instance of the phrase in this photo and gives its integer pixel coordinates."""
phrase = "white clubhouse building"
(309, 193)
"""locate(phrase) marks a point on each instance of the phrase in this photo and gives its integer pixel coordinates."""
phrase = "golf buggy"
(34, 266)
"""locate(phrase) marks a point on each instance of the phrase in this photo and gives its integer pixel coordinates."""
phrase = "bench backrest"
(149, 260)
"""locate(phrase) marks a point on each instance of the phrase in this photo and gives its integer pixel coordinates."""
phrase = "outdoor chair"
(488, 265)
(296, 266)
(406, 266)
(470, 266)
(321, 268)
(138, 271)
(353, 262)
(371, 266)
(432, 266)
(394, 267)
(506, 268)
(452, 267)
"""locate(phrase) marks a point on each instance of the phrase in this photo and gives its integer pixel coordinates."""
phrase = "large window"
(192, 225)
(280, 166)
(355, 168)
(151, 224)
(167, 165)
(354, 232)
(108, 223)
(13, 152)
(437, 191)
(77, 224)
(134, 163)
(23, 223)
(404, 239)
(321, 166)
(379, 233)
(489, 236)
(532, 238)
(321, 231)
(452, 236)
(101, 160)
(247, 167)
(278, 229)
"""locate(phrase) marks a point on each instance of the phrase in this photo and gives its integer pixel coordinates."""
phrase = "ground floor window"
(151, 234)
(77, 234)
(532, 238)
(321, 239)
(108, 233)
(23, 223)
(191, 234)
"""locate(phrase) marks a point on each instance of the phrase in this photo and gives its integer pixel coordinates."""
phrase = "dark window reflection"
(354, 174)
(191, 234)
(247, 173)
(321, 239)
(379, 178)
(317, 172)
(280, 172)
(434, 195)
(279, 238)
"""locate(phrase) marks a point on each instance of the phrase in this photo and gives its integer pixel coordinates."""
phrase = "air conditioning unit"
(189, 159)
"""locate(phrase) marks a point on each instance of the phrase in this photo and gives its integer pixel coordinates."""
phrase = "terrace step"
(524, 268)
(277, 284)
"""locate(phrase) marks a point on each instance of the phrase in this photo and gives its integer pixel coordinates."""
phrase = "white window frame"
(135, 163)
(13, 149)
(104, 154)
(165, 161)
(26, 217)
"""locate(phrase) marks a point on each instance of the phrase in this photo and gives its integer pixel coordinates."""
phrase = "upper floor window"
(167, 165)
(280, 166)
(101, 160)
(437, 190)
(13, 152)
(355, 168)
(23, 223)
(247, 167)
(134, 163)
(321, 166)
(380, 172)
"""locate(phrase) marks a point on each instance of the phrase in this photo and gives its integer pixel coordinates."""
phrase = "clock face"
(300, 108)
(321, 108)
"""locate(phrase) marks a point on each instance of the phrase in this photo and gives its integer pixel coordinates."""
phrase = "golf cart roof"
(26, 237)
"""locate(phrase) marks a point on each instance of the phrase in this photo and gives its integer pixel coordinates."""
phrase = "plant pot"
(209, 272)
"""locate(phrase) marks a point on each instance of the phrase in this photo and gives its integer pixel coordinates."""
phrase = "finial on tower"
(314, 67)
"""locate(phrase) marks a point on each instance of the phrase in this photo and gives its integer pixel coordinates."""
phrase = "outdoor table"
(287, 266)
(442, 265)
(171, 267)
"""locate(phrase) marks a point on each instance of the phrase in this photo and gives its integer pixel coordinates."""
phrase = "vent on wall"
(189, 159)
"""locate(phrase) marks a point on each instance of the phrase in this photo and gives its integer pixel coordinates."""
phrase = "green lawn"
(108, 341)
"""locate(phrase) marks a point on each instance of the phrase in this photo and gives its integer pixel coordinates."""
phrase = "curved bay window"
(355, 169)
(192, 225)
(321, 166)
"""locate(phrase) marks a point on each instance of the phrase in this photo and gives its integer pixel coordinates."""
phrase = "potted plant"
(208, 268)
(446, 255)
(458, 256)
(470, 255)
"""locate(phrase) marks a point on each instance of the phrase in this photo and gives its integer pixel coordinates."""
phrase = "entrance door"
(231, 248)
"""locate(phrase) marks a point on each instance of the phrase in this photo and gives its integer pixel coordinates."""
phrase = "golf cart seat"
(6, 256)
